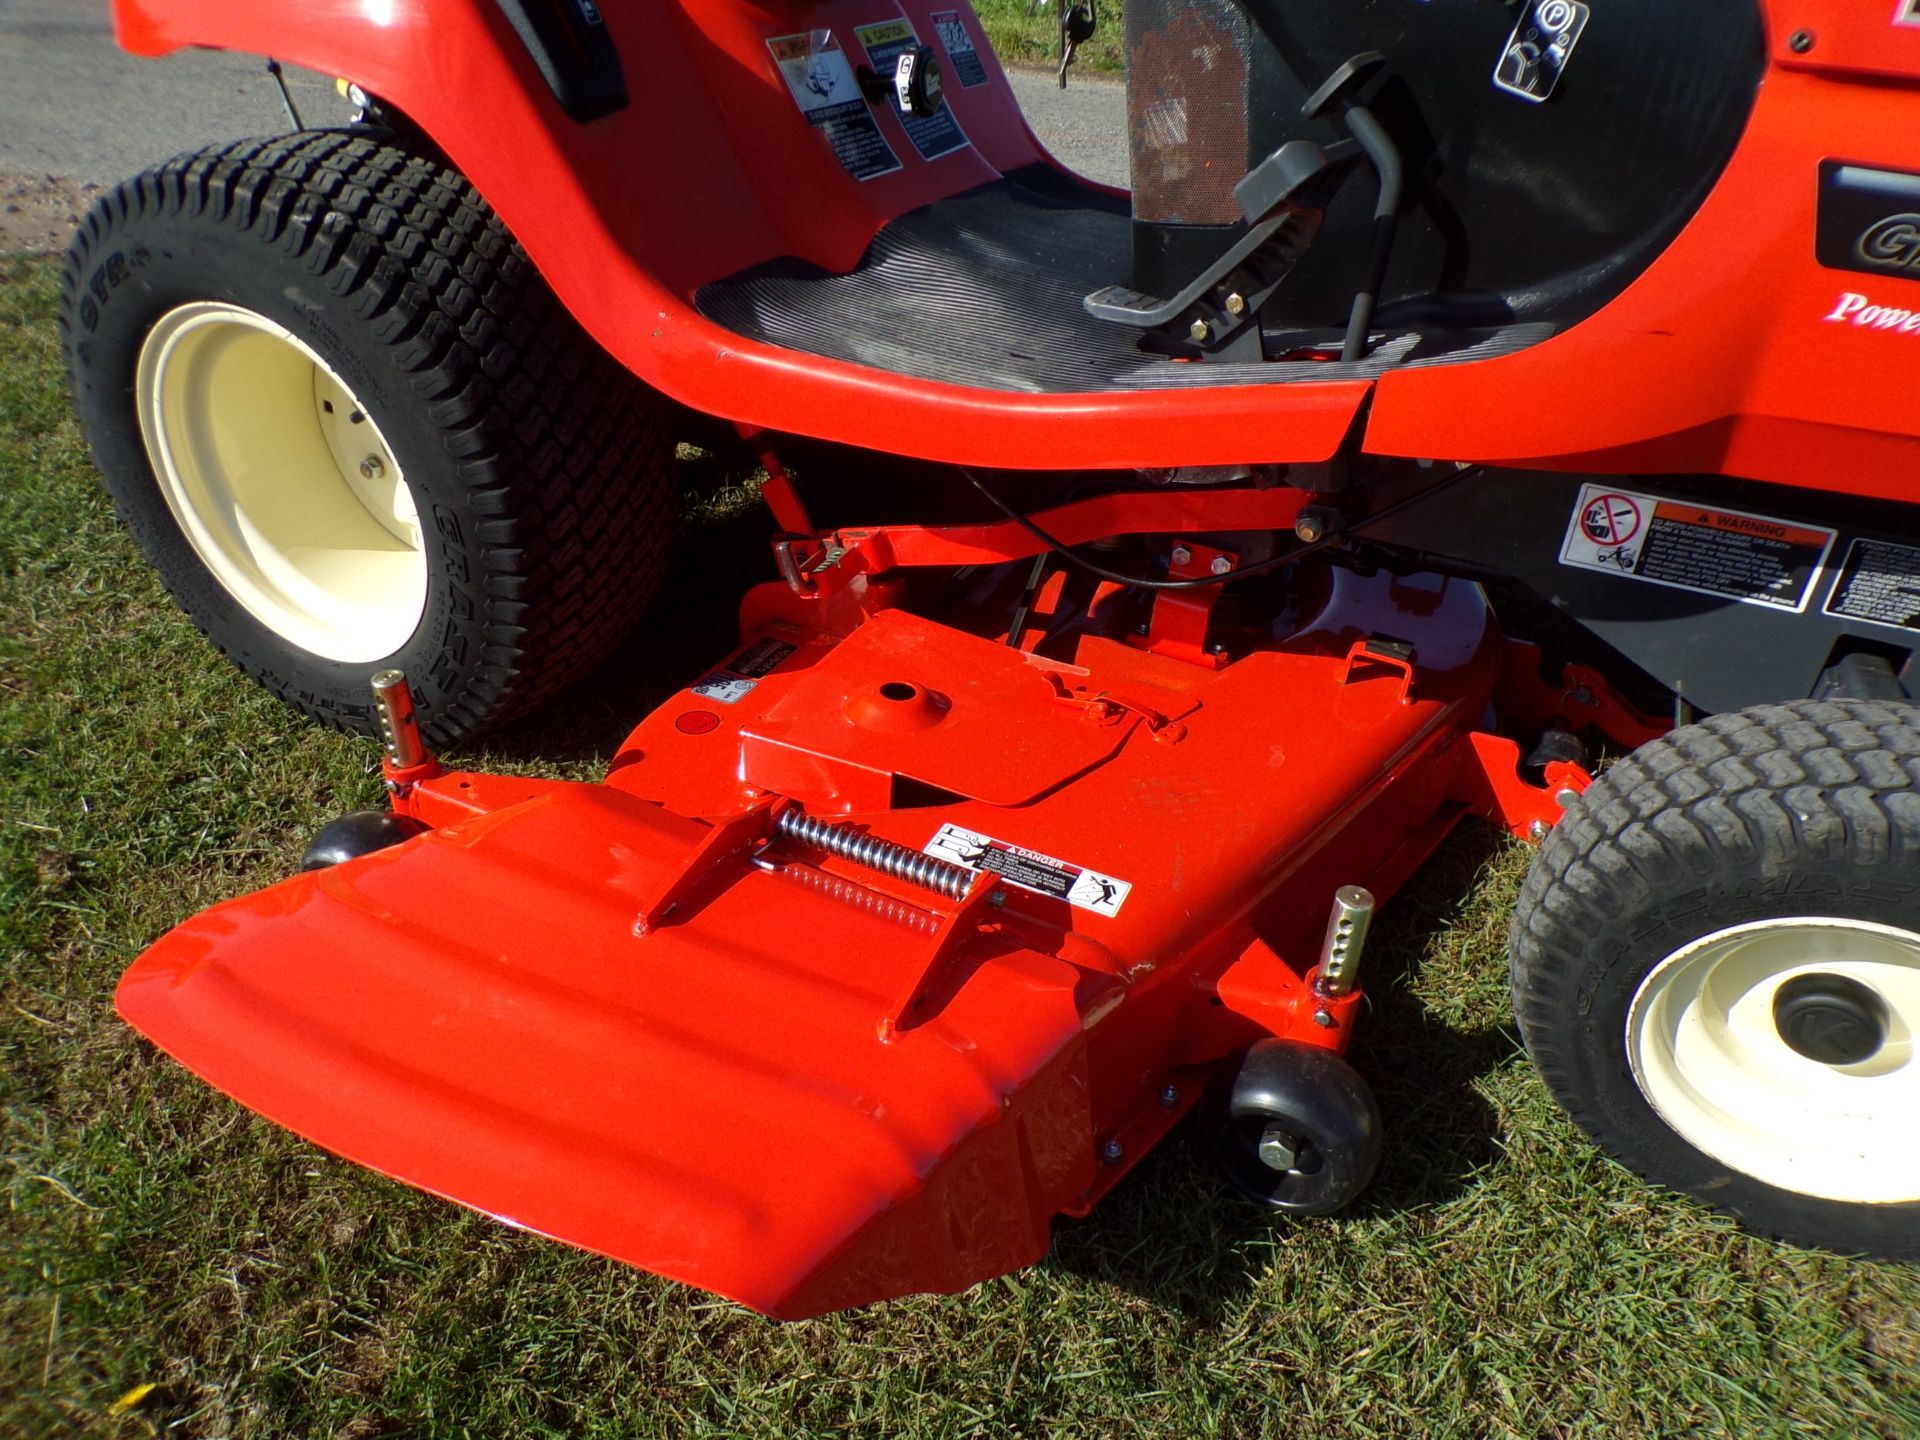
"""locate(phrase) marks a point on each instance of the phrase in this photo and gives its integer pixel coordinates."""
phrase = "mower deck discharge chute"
(1147, 600)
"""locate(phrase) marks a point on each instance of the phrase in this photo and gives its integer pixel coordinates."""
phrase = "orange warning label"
(1753, 559)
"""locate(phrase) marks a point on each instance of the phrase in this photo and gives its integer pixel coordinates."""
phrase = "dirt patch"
(39, 212)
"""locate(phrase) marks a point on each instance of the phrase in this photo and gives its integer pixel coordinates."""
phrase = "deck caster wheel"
(354, 431)
(360, 832)
(1716, 966)
(1296, 1129)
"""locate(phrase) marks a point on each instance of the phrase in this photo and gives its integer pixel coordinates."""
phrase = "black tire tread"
(564, 454)
(1756, 791)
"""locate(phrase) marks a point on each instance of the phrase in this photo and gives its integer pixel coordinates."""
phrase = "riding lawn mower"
(1469, 399)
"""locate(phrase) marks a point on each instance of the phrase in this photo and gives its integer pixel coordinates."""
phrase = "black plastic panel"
(1533, 211)
(570, 43)
(1721, 654)
(1869, 220)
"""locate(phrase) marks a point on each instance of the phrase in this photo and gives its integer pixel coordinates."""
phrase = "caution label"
(1030, 870)
(962, 58)
(1879, 583)
(734, 681)
(816, 71)
(932, 135)
(1755, 559)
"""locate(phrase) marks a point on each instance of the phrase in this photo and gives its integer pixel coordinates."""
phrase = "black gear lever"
(1341, 94)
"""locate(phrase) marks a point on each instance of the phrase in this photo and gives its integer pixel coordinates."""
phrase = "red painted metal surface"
(1719, 358)
(634, 1017)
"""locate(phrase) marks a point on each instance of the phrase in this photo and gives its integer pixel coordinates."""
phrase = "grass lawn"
(1500, 1279)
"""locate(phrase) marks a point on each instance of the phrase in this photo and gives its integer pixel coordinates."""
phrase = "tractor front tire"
(1716, 966)
(354, 431)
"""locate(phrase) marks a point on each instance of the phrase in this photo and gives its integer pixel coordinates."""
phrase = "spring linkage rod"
(930, 873)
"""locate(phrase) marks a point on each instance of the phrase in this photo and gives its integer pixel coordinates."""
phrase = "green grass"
(1501, 1279)
(1021, 38)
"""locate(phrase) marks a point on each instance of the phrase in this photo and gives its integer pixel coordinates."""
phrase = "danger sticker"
(1754, 559)
(1030, 870)
(1879, 583)
(964, 59)
(817, 72)
(734, 681)
(932, 135)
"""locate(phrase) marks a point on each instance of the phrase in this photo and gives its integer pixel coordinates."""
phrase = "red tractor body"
(921, 917)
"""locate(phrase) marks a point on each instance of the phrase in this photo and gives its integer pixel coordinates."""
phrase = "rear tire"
(492, 516)
(1716, 966)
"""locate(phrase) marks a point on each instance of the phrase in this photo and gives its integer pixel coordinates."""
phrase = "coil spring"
(940, 876)
(873, 902)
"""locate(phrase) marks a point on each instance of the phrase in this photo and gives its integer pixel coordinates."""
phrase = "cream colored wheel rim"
(281, 482)
(1709, 1057)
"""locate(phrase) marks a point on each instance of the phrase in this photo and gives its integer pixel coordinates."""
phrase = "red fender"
(1734, 352)
(628, 215)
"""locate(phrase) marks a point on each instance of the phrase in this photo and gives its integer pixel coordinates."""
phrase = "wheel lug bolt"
(1278, 1149)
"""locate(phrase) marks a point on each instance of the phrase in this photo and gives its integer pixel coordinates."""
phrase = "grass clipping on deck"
(175, 1266)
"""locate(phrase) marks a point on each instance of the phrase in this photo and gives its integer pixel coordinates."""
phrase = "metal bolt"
(1201, 331)
(1218, 647)
(1537, 831)
(1221, 565)
(1236, 304)
(1565, 798)
(1324, 1019)
(1800, 42)
(1112, 1152)
(1170, 1096)
(372, 468)
(1182, 555)
(1312, 524)
(1278, 1149)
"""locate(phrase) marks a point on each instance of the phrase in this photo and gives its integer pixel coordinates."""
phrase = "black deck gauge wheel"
(357, 833)
(353, 430)
(1295, 1128)
(1716, 966)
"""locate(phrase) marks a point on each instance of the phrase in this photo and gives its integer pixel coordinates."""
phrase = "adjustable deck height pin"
(1347, 928)
(399, 727)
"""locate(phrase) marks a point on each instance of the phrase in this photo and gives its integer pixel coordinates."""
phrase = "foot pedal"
(1282, 198)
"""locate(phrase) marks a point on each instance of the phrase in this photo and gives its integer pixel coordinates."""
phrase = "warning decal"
(1030, 870)
(968, 68)
(816, 71)
(932, 135)
(1879, 583)
(732, 682)
(1754, 559)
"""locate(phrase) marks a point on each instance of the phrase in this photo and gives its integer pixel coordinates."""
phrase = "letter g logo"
(1894, 242)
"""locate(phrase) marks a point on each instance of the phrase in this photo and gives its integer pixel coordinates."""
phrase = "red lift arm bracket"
(730, 838)
(1175, 511)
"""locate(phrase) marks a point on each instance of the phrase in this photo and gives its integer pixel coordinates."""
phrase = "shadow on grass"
(1178, 1236)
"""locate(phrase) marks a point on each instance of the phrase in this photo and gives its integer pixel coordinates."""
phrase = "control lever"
(1077, 24)
(1341, 94)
